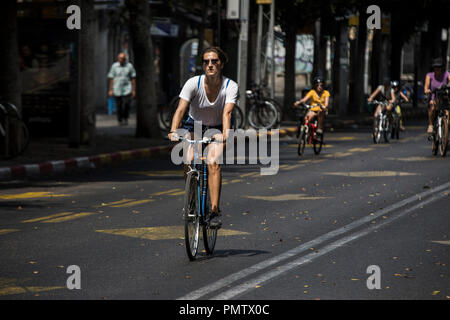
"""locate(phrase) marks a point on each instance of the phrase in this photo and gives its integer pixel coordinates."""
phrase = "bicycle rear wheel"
(238, 118)
(434, 144)
(443, 137)
(209, 234)
(191, 216)
(263, 116)
(166, 113)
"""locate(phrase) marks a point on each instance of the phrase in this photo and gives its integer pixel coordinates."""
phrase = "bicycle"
(10, 118)
(306, 133)
(439, 138)
(166, 113)
(196, 210)
(382, 123)
(263, 112)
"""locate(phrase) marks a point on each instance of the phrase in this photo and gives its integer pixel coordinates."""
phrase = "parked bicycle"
(439, 138)
(12, 129)
(263, 112)
(306, 132)
(196, 210)
(382, 125)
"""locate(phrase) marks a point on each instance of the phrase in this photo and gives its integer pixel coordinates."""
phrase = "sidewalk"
(116, 143)
(113, 143)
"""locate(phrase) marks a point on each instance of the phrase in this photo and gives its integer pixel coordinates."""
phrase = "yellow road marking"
(286, 197)
(341, 138)
(20, 290)
(338, 155)
(6, 231)
(31, 195)
(114, 203)
(248, 174)
(370, 174)
(360, 149)
(413, 159)
(60, 217)
(158, 173)
(132, 203)
(47, 217)
(166, 192)
(70, 217)
(162, 233)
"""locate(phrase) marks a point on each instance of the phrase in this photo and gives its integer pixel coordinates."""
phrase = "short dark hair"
(220, 53)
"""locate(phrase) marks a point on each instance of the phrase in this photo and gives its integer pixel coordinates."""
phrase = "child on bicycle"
(319, 99)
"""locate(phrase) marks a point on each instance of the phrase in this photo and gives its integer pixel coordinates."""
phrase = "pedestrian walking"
(122, 86)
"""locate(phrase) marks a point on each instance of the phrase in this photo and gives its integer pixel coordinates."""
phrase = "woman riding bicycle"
(434, 80)
(211, 98)
(319, 100)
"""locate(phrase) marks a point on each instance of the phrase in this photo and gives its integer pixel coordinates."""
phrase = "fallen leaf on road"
(435, 292)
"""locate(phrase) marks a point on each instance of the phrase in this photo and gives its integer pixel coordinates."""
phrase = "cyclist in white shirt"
(210, 99)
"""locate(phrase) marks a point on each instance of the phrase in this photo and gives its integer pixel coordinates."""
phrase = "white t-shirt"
(201, 109)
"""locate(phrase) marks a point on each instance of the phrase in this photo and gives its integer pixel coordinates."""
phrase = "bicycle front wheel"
(443, 137)
(191, 216)
(301, 141)
(317, 143)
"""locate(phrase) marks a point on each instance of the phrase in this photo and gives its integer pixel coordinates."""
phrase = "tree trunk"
(397, 44)
(289, 66)
(10, 86)
(86, 65)
(358, 90)
(146, 110)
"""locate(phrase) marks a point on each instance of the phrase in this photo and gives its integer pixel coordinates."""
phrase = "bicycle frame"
(201, 172)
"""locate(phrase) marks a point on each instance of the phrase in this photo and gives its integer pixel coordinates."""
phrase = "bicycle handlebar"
(385, 103)
(205, 140)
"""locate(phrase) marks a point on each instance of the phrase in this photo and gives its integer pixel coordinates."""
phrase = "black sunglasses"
(213, 61)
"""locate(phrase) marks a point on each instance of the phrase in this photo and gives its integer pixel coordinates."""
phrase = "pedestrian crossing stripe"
(163, 232)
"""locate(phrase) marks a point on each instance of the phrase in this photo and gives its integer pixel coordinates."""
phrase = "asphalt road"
(311, 231)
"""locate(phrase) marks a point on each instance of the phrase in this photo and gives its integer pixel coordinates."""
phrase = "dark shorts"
(189, 126)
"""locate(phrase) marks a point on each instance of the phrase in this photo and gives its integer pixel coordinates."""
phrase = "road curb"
(91, 162)
(96, 161)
